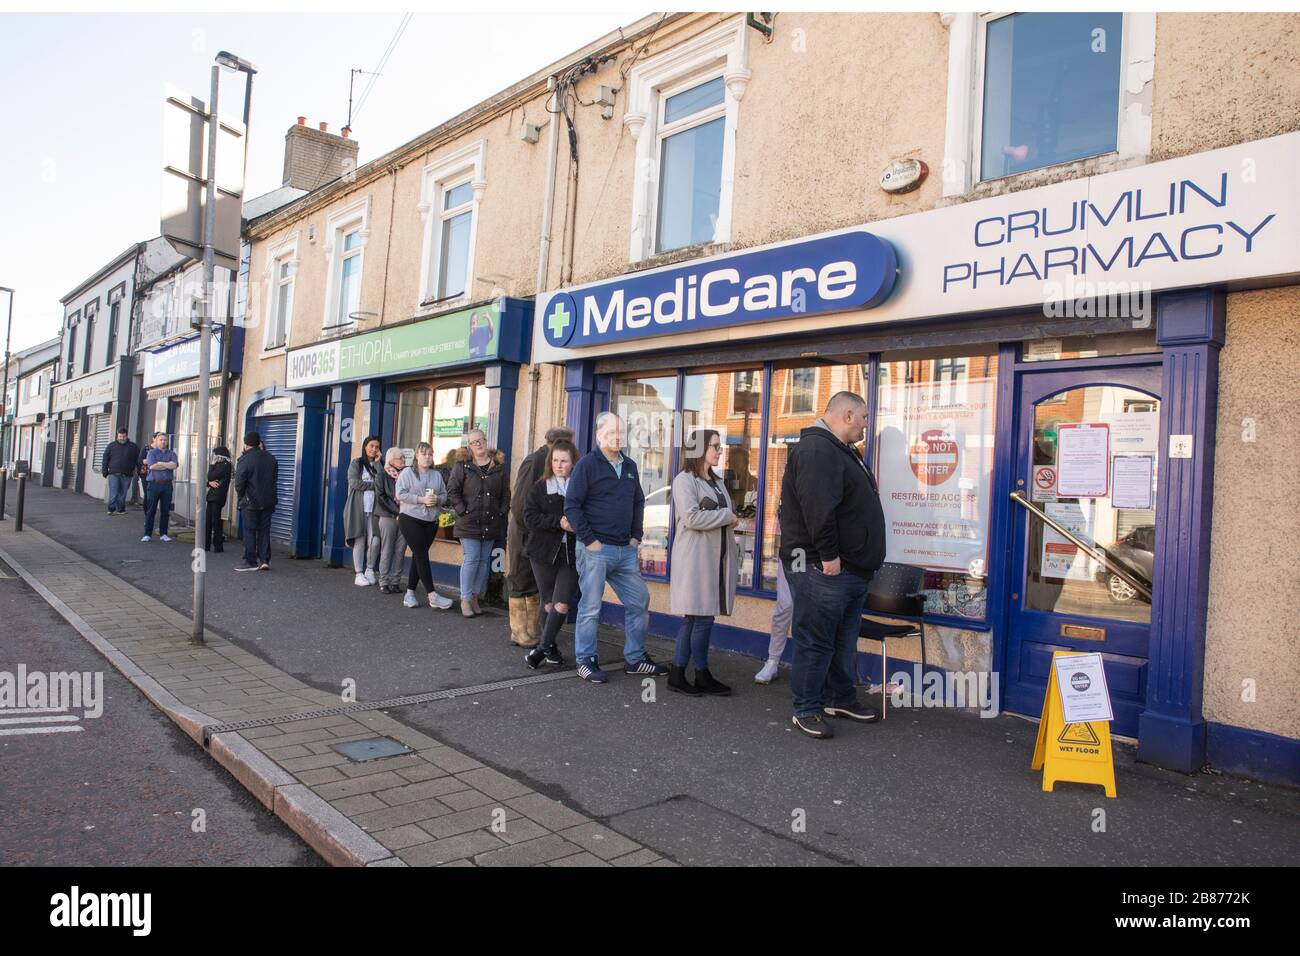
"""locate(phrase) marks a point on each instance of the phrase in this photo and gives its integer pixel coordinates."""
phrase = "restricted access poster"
(1061, 558)
(1081, 679)
(934, 463)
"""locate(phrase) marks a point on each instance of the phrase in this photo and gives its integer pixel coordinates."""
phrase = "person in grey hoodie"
(420, 490)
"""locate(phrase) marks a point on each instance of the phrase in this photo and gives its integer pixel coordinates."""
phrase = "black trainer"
(535, 658)
(853, 711)
(553, 657)
(814, 725)
(647, 667)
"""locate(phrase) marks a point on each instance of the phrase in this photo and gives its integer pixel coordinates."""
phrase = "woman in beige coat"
(704, 561)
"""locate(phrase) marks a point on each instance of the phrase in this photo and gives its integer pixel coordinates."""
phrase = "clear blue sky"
(81, 111)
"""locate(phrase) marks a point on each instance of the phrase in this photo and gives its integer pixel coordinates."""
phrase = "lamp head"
(234, 63)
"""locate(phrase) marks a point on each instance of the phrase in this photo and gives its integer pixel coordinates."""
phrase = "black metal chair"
(896, 590)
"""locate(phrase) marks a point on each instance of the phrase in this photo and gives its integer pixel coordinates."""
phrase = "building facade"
(34, 369)
(1055, 252)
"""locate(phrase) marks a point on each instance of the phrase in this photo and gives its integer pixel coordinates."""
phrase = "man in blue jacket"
(605, 505)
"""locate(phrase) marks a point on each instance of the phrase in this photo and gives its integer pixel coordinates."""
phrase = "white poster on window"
(934, 461)
(1083, 460)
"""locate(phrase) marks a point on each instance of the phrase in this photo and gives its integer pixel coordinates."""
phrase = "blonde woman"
(420, 490)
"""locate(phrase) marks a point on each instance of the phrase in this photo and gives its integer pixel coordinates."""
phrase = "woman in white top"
(360, 526)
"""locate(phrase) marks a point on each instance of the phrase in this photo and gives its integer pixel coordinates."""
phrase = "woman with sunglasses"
(704, 565)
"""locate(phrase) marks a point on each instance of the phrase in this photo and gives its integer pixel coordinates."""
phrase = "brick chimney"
(314, 157)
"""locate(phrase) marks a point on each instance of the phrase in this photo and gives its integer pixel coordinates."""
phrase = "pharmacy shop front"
(431, 379)
(1041, 372)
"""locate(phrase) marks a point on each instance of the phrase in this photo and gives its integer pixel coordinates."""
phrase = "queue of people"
(577, 524)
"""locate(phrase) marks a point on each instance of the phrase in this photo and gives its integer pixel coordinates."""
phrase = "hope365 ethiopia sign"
(848, 270)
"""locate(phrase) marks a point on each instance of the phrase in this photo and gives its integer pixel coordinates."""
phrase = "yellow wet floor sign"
(1077, 753)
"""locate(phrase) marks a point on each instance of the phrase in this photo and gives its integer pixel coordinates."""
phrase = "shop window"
(683, 108)
(934, 435)
(798, 397)
(442, 415)
(647, 407)
(451, 191)
(731, 403)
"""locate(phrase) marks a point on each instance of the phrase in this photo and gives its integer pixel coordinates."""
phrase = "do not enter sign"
(933, 456)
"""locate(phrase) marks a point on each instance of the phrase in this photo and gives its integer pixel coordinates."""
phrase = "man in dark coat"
(255, 491)
(526, 616)
(121, 460)
(832, 542)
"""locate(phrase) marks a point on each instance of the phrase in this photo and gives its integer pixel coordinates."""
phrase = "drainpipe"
(544, 256)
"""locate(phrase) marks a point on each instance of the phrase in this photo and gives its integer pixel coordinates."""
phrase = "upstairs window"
(450, 193)
(691, 128)
(348, 231)
(349, 275)
(455, 222)
(1051, 90)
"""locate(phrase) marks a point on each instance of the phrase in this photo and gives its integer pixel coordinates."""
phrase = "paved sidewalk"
(432, 806)
(698, 781)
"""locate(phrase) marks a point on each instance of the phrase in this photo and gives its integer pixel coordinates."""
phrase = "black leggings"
(419, 537)
(555, 582)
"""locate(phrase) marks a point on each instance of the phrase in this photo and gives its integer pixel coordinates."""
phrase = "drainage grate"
(389, 704)
(372, 748)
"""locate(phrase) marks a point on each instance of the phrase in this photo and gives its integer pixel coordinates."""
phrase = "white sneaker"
(362, 581)
(145, 538)
(163, 538)
(439, 601)
(410, 600)
(767, 673)
(370, 576)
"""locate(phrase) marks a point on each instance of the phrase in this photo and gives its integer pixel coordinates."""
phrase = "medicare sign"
(848, 270)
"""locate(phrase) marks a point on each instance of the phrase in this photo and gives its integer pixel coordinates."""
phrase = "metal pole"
(230, 313)
(205, 359)
(18, 515)
(4, 397)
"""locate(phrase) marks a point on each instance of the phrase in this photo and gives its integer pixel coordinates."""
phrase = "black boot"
(677, 681)
(706, 683)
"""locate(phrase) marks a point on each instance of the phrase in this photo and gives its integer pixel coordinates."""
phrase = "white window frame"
(355, 216)
(467, 164)
(963, 133)
(721, 51)
(284, 252)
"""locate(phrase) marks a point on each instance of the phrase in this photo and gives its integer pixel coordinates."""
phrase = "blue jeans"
(118, 486)
(693, 641)
(827, 618)
(156, 494)
(617, 566)
(257, 536)
(474, 565)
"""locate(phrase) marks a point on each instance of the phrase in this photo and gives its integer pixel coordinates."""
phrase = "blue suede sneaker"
(590, 671)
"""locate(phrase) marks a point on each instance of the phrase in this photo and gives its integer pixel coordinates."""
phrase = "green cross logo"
(558, 320)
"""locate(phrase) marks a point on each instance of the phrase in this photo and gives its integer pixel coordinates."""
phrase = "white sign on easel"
(1081, 679)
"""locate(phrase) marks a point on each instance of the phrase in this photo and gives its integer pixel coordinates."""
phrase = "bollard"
(4, 485)
(18, 515)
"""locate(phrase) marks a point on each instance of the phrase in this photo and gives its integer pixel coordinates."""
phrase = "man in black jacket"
(255, 481)
(121, 459)
(832, 541)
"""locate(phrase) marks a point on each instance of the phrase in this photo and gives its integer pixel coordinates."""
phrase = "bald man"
(832, 541)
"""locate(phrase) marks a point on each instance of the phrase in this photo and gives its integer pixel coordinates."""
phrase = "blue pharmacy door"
(1083, 530)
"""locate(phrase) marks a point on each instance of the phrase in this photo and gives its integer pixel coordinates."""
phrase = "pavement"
(587, 775)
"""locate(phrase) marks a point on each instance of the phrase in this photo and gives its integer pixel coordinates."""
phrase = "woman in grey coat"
(360, 523)
(704, 561)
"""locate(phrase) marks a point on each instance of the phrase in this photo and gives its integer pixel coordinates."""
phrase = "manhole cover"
(372, 748)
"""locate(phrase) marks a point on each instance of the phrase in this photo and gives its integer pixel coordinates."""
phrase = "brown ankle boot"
(466, 609)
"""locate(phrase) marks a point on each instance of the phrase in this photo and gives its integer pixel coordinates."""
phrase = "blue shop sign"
(836, 273)
(180, 360)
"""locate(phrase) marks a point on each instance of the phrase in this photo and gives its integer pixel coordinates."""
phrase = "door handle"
(1100, 553)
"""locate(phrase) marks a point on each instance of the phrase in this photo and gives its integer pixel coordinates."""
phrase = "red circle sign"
(933, 456)
(1045, 478)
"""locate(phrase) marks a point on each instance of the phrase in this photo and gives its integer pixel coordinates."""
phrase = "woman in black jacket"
(392, 546)
(552, 549)
(218, 490)
(479, 492)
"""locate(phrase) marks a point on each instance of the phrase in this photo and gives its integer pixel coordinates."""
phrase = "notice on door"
(1061, 558)
(1131, 485)
(1081, 680)
(1083, 460)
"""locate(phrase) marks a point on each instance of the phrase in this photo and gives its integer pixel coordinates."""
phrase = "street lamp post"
(230, 62)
